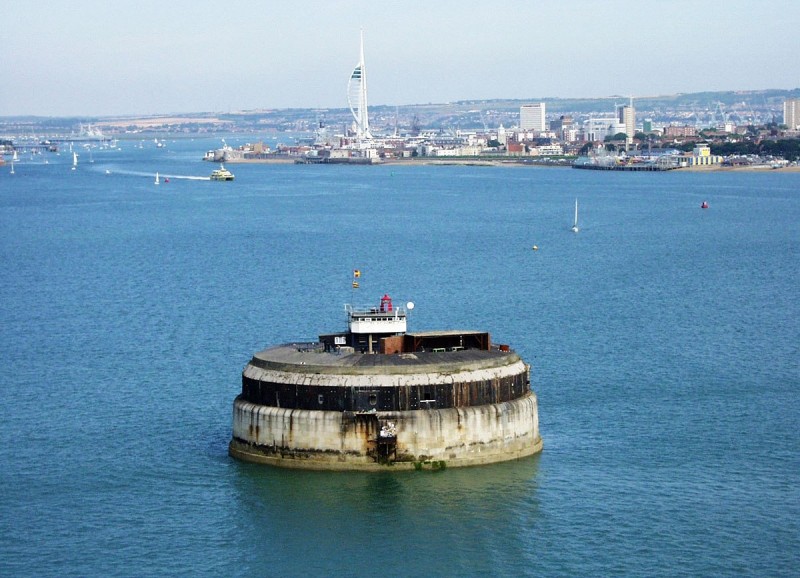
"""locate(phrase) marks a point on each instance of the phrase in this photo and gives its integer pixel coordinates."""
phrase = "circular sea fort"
(376, 396)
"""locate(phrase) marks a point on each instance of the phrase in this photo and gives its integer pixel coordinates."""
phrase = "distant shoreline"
(478, 162)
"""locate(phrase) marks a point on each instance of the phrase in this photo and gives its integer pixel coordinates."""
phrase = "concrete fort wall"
(386, 389)
(451, 437)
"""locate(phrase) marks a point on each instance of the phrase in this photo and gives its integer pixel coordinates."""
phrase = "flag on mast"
(356, 275)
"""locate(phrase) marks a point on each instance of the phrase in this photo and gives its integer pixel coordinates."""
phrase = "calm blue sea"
(664, 341)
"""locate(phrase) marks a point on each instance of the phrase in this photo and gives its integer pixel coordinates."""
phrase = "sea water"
(663, 340)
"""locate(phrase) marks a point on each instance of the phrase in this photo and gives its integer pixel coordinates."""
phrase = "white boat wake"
(111, 170)
(187, 177)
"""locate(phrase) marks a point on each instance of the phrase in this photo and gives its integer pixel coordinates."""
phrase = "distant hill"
(741, 107)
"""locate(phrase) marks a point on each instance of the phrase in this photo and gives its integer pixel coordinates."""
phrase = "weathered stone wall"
(347, 440)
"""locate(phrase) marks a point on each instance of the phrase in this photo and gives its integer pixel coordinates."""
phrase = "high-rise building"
(357, 96)
(531, 117)
(561, 123)
(626, 115)
(563, 126)
(791, 113)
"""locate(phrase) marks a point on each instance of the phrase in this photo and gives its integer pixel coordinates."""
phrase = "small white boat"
(575, 222)
(74, 160)
(157, 180)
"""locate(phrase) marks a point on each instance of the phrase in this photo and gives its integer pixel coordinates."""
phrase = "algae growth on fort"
(375, 396)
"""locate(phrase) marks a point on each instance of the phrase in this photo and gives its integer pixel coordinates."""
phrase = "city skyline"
(95, 59)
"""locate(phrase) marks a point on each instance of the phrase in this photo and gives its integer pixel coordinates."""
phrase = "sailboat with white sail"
(575, 222)
(74, 160)
(157, 179)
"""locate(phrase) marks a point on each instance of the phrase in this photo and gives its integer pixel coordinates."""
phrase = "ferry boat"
(221, 174)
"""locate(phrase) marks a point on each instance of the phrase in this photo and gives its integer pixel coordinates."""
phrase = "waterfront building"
(563, 127)
(700, 156)
(462, 151)
(597, 128)
(357, 96)
(561, 123)
(502, 135)
(679, 131)
(547, 150)
(569, 134)
(791, 113)
(532, 117)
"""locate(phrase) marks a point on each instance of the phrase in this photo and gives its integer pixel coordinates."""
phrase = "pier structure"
(629, 168)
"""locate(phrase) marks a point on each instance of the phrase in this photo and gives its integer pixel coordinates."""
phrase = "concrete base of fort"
(427, 438)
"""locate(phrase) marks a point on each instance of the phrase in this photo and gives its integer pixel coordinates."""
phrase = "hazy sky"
(120, 57)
